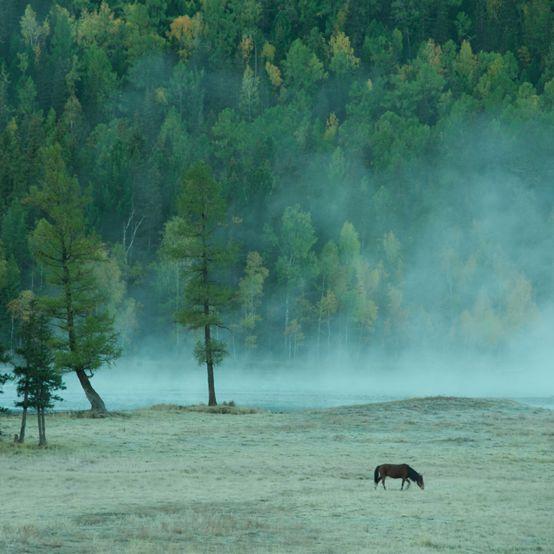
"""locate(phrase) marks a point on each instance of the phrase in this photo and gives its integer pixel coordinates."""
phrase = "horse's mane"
(413, 474)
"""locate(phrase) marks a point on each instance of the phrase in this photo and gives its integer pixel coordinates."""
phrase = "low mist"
(475, 315)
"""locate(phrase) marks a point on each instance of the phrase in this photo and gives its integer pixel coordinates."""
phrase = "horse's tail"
(376, 475)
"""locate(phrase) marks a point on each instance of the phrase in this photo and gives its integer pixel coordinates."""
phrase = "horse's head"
(419, 481)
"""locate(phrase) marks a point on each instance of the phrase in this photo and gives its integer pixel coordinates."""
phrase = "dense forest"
(278, 179)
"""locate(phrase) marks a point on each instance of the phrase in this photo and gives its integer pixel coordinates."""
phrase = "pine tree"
(36, 375)
(62, 244)
(19, 309)
(194, 237)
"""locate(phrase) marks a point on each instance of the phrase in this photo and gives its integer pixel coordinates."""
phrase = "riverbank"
(166, 479)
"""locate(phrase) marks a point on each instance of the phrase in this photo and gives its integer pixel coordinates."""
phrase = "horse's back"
(393, 470)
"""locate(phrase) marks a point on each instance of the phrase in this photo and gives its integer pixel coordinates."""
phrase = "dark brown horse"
(400, 471)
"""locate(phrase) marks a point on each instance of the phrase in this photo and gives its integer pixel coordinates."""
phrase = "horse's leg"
(378, 479)
(409, 483)
(383, 480)
(402, 487)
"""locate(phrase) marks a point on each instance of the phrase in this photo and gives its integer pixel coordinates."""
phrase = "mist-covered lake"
(275, 401)
(144, 381)
(281, 399)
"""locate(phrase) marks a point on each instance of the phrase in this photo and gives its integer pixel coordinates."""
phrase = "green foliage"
(295, 266)
(343, 60)
(355, 132)
(212, 350)
(193, 237)
(36, 376)
(250, 294)
(303, 70)
(68, 253)
(295, 239)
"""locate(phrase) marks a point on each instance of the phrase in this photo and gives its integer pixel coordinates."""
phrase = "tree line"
(267, 178)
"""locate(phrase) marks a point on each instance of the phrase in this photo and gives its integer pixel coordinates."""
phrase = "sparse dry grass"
(225, 408)
(174, 480)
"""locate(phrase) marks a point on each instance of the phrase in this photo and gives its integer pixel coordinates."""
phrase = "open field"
(170, 480)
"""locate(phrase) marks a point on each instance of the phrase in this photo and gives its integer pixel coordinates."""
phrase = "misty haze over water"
(143, 382)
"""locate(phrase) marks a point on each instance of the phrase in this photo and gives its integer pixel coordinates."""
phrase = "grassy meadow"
(170, 479)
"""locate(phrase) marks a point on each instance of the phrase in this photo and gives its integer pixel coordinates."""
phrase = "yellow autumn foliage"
(185, 31)
(274, 74)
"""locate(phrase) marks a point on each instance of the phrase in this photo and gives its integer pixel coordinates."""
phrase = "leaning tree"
(195, 237)
(69, 252)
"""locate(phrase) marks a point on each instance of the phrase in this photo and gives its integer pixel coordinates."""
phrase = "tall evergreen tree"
(65, 248)
(194, 237)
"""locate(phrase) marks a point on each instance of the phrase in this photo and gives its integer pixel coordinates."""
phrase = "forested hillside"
(377, 174)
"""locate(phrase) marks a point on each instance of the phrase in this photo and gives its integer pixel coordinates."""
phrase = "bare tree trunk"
(96, 403)
(40, 430)
(207, 331)
(210, 367)
(39, 424)
(319, 335)
(286, 321)
(11, 334)
(290, 346)
(21, 437)
(128, 244)
(177, 297)
(41, 427)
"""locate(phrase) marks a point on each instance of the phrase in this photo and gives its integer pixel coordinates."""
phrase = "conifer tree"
(65, 248)
(194, 237)
(19, 310)
(36, 375)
